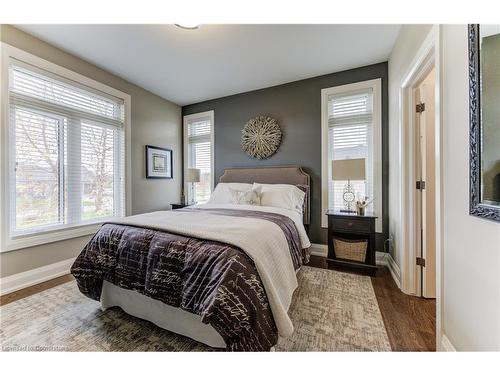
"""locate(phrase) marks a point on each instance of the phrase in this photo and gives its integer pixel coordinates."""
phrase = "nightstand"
(351, 241)
(176, 206)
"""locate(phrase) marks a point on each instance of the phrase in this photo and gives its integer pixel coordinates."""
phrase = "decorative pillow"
(250, 196)
(221, 193)
(282, 196)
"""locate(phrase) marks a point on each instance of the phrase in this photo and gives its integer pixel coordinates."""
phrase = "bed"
(222, 274)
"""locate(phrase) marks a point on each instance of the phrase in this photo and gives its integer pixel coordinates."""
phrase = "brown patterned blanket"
(217, 281)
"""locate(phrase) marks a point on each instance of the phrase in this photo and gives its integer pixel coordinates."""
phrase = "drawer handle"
(349, 224)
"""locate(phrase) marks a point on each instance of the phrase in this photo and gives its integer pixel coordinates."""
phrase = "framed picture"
(158, 162)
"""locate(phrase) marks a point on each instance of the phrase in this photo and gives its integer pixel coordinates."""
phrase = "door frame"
(427, 57)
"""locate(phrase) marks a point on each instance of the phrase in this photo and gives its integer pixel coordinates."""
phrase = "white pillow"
(281, 195)
(250, 196)
(221, 193)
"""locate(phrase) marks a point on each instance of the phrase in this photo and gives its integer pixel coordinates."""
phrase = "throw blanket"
(299, 256)
(211, 277)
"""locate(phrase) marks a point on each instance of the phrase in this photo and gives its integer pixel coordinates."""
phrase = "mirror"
(484, 101)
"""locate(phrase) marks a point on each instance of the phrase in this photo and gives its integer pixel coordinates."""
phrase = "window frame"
(9, 242)
(376, 86)
(186, 120)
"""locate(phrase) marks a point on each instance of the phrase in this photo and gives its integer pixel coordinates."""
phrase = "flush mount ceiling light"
(187, 26)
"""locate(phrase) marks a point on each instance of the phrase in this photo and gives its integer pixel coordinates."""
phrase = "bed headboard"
(292, 175)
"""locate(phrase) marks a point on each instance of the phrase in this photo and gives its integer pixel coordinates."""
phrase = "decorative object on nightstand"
(183, 197)
(192, 177)
(348, 169)
(361, 204)
(351, 241)
(176, 206)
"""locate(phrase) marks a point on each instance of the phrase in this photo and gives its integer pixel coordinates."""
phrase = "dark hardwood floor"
(410, 321)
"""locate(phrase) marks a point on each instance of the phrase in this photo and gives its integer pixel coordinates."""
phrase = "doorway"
(422, 209)
(425, 185)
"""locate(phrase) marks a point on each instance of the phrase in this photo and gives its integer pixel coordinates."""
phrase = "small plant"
(361, 205)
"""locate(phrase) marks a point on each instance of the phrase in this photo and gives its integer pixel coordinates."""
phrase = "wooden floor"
(410, 321)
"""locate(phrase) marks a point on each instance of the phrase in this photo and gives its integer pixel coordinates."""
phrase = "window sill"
(36, 239)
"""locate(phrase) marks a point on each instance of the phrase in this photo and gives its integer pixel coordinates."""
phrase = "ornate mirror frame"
(476, 207)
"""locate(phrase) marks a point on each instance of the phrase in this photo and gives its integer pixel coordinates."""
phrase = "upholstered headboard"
(292, 175)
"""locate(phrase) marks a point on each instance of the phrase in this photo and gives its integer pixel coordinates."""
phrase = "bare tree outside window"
(67, 152)
(97, 171)
(37, 169)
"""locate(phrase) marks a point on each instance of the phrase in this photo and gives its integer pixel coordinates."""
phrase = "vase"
(361, 211)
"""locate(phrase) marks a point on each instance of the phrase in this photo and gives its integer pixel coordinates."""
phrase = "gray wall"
(155, 121)
(297, 107)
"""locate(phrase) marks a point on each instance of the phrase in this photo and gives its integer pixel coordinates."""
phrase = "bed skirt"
(171, 318)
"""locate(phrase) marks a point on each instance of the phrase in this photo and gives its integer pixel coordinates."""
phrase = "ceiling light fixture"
(187, 26)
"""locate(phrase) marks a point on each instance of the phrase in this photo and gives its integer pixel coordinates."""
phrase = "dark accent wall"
(297, 107)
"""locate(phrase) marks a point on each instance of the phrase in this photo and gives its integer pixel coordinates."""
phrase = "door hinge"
(420, 262)
(420, 107)
(420, 185)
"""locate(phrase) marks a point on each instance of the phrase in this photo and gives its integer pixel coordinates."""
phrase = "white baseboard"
(319, 250)
(381, 259)
(394, 270)
(446, 344)
(386, 259)
(23, 280)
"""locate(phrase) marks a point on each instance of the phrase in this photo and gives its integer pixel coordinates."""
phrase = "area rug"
(330, 311)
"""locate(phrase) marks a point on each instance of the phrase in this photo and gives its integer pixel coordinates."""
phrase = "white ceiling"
(218, 60)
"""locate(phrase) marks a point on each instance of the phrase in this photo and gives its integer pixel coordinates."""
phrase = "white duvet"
(262, 240)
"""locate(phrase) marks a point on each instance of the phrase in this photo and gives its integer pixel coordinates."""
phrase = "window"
(66, 153)
(352, 130)
(199, 153)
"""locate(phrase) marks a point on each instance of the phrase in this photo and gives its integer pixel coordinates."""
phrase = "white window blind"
(350, 136)
(199, 155)
(67, 152)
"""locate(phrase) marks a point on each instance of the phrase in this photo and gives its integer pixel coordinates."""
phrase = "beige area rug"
(331, 311)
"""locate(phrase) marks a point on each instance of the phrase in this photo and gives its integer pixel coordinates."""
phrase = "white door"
(426, 195)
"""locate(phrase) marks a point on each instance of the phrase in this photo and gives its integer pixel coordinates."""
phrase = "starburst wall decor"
(261, 137)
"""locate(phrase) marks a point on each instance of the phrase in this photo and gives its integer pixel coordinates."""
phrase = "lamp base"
(349, 197)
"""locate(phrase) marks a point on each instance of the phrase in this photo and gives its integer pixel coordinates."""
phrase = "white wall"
(470, 264)
(409, 41)
(471, 261)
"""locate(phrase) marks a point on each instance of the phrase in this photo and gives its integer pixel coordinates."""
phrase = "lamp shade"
(192, 175)
(348, 169)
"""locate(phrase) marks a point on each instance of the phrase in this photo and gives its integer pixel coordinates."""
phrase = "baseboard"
(319, 250)
(446, 344)
(386, 259)
(382, 258)
(29, 278)
(394, 270)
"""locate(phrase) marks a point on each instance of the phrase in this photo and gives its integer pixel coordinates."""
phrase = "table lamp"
(348, 169)
(192, 177)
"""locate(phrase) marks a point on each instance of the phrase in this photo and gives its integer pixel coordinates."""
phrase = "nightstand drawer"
(351, 225)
